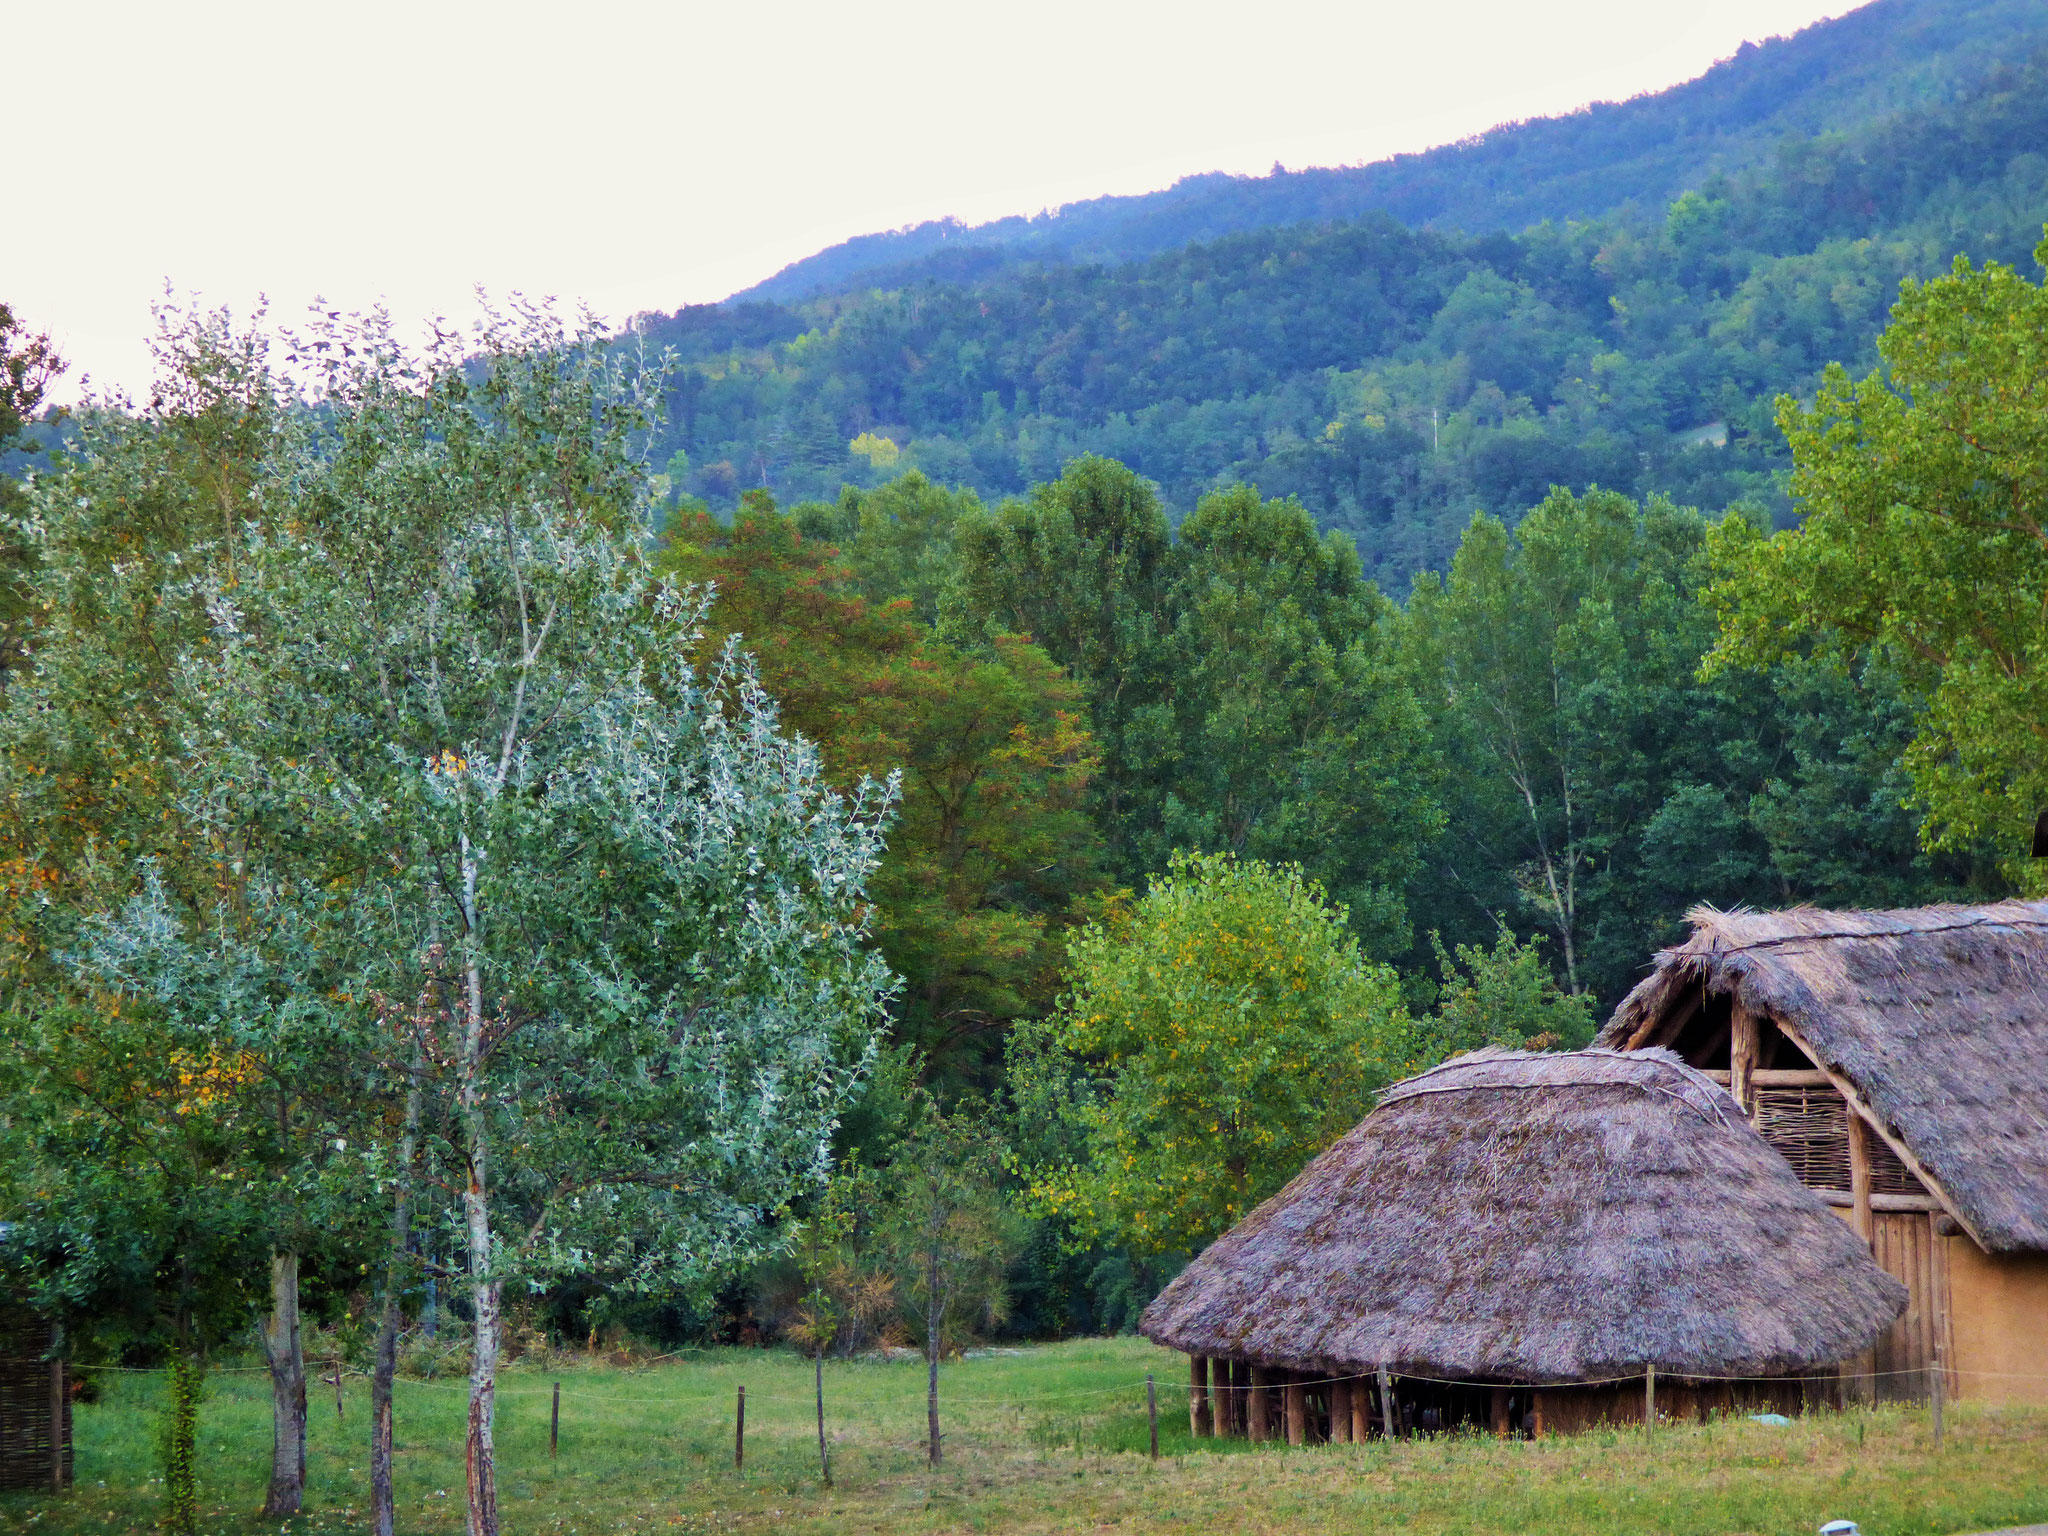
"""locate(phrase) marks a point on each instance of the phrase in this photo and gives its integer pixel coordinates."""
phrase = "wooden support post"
(739, 1432)
(1296, 1401)
(1390, 1416)
(1649, 1399)
(1340, 1411)
(1497, 1413)
(1201, 1417)
(1859, 1175)
(1742, 1054)
(1152, 1412)
(1864, 1388)
(555, 1420)
(1361, 1410)
(1934, 1394)
(1258, 1406)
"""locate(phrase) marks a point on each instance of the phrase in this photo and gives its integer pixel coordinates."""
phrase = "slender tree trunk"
(383, 1376)
(483, 1384)
(476, 1209)
(935, 1314)
(285, 1350)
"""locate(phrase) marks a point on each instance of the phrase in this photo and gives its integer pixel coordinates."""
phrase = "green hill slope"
(1394, 378)
(1837, 75)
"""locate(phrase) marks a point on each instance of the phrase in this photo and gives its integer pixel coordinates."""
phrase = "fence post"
(555, 1420)
(1152, 1412)
(1649, 1399)
(337, 1389)
(1935, 1385)
(1390, 1418)
(739, 1432)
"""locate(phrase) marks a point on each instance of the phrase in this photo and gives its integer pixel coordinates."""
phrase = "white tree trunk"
(383, 1508)
(476, 1209)
(286, 1353)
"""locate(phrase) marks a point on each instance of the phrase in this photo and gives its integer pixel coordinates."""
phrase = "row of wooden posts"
(1242, 1400)
(1238, 1399)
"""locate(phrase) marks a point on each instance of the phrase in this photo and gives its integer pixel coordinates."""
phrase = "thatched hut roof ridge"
(1538, 1217)
(1937, 1016)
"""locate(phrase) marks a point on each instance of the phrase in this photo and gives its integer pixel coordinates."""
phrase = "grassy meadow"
(1051, 1438)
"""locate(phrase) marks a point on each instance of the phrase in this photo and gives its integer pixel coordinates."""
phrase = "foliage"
(1397, 379)
(153, 1151)
(947, 1226)
(991, 856)
(1924, 543)
(1504, 996)
(1238, 678)
(177, 1446)
(1296, 740)
(1216, 1036)
(441, 711)
(1596, 787)
(28, 363)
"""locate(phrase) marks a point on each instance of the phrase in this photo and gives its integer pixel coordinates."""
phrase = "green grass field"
(1052, 1439)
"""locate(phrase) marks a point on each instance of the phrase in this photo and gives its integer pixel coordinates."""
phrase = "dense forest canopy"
(1395, 379)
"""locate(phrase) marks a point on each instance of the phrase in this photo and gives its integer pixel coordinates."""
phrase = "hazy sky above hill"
(644, 156)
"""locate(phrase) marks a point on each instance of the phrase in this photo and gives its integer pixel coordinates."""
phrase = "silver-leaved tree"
(575, 930)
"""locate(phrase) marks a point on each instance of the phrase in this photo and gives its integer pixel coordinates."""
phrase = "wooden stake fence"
(739, 1432)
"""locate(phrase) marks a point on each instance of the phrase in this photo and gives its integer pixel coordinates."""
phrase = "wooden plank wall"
(1905, 1247)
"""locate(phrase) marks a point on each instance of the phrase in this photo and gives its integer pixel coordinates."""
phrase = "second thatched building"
(1526, 1243)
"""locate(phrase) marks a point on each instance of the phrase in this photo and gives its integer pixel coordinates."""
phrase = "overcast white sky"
(645, 156)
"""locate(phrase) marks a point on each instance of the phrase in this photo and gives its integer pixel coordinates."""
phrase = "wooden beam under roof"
(1860, 1107)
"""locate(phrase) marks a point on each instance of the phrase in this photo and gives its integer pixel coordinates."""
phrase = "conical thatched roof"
(1938, 1016)
(1542, 1218)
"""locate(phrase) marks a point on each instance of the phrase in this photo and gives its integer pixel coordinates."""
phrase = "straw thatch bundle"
(1937, 1015)
(1538, 1218)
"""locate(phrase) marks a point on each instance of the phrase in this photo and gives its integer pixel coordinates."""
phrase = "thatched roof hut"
(1899, 1061)
(1937, 1015)
(1518, 1217)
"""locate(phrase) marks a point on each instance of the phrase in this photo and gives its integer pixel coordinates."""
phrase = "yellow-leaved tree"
(1218, 1033)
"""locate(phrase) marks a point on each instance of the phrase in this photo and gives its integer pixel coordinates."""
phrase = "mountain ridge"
(1603, 157)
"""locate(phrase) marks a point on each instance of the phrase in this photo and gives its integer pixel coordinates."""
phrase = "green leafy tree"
(1925, 542)
(951, 1232)
(457, 704)
(1298, 739)
(1080, 568)
(1505, 995)
(28, 365)
(992, 857)
(1216, 1036)
(897, 540)
(148, 509)
(1558, 662)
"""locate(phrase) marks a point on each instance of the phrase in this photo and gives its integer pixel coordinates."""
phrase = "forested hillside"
(1832, 76)
(1394, 379)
